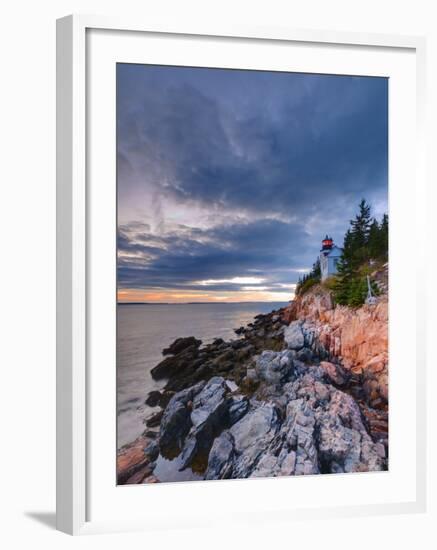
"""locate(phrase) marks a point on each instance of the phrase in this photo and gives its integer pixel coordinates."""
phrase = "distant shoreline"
(193, 303)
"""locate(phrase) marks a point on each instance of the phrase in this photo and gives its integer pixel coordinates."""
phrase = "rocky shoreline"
(274, 401)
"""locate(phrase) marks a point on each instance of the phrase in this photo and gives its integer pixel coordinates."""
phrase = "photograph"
(252, 274)
(218, 272)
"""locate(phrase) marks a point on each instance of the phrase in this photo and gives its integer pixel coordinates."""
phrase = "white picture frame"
(74, 342)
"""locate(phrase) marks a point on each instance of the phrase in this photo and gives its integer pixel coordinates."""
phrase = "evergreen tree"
(361, 224)
(378, 239)
(357, 292)
(384, 237)
(366, 239)
(344, 270)
(375, 239)
(360, 229)
(310, 279)
(316, 271)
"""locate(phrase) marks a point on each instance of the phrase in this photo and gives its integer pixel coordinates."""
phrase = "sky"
(228, 180)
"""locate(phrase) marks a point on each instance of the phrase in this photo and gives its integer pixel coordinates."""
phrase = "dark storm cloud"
(301, 148)
(184, 258)
(328, 136)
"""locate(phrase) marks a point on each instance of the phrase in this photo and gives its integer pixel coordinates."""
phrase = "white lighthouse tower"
(329, 257)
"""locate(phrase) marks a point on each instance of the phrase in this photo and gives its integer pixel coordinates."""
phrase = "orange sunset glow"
(178, 297)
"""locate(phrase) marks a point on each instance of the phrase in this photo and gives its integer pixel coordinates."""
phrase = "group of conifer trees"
(365, 246)
(309, 279)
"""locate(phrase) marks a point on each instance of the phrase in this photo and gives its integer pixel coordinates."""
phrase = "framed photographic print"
(234, 274)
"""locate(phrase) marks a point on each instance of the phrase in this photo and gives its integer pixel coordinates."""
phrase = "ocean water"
(144, 330)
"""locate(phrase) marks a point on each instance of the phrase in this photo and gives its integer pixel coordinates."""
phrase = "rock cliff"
(356, 338)
(302, 390)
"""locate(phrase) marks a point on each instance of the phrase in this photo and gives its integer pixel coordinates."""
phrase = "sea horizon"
(201, 303)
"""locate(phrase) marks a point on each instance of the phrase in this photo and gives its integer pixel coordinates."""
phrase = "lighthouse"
(329, 257)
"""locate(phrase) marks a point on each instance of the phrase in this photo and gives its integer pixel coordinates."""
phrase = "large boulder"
(153, 398)
(274, 367)
(221, 456)
(236, 451)
(335, 373)
(343, 441)
(133, 460)
(257, 426)
(166, 368)
(208, 402)
(180, 344)
(176, 420)
(293, 451)
(213, 410)
(181, 364)
(238, 407)
(294, 336)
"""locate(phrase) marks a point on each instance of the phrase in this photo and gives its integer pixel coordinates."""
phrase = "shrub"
(306, 285)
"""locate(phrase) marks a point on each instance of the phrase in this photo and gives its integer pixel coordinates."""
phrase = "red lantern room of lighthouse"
(327, 243)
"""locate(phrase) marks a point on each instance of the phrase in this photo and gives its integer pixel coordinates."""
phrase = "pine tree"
(378, 239)
(357, 292)
(375, 238)
(365, 239)
(361, 224)
(360, 229)
(384, 237)
(344, 270)
(310, 279)
(316, 271)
